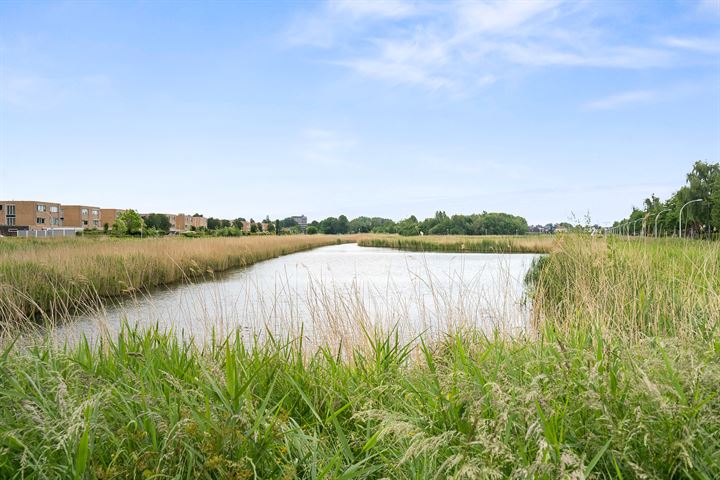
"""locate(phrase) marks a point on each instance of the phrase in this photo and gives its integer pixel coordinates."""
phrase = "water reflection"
(334, 293)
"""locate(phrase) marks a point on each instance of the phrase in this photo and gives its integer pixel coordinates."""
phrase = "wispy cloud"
(452, 45)
(326, 147)
(621, 100)
(32, 91)
(698, 44)
(383, 9)
(712, 6)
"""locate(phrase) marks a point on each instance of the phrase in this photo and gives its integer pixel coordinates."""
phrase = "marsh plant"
(617, 377)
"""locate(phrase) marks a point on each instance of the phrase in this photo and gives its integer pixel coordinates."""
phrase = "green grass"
(619, 380)
(149, 406)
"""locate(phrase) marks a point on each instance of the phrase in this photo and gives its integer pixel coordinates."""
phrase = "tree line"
(484, 223)
(699, 218)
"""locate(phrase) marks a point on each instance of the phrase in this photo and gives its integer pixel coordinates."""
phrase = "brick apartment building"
(30, 214)
(37, 215)
(182, 222)
(198, 221)
(109, 216)
(81, 216)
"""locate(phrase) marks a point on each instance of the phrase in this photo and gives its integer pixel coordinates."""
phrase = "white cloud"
(499, 16)
(31, 91)
(326, 147)
(450, 45)
(621, 100)
(712, 6)
(698, 44)
(615, 57)
(373, 8)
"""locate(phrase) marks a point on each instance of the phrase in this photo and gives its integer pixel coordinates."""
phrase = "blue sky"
(538, 108)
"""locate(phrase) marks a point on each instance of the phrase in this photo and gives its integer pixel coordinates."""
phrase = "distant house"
(182, 222)
(80, 216)
(29, 215)
(302, 222)
(108, 216)
(198, 221)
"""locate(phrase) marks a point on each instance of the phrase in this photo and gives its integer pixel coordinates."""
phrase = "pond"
(334, 294)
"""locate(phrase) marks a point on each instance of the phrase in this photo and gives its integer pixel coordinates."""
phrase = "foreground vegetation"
(466, 244)
(619, 379)
(51, 278)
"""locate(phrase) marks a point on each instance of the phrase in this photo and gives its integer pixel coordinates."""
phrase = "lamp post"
(635, 223)
(656, 219)
(681, 209)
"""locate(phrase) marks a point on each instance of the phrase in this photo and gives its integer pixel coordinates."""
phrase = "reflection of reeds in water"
(326, 311)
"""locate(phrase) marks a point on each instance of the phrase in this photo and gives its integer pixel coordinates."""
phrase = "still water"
(334, 293)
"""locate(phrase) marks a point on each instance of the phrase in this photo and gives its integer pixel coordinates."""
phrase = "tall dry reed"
(52, 278)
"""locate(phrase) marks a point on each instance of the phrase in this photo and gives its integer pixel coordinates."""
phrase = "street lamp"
(634, 222)
(656, 219)
(681, 209)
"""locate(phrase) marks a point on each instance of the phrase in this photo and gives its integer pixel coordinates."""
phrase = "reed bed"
(464, 243)
(618, 379)
(652, 287)
(50, 279)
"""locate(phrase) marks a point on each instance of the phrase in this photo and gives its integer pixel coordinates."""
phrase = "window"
(84, 211)
(10, 215)
(96, 223)
(41, 208)
(85, 222)
(39, 220)
(55, 221)
(95, 213)
(53, 209)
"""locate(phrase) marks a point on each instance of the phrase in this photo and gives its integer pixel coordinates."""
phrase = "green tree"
(288, 222)
(128, 223)
(312, 230)
(158, 221)
(408, 226)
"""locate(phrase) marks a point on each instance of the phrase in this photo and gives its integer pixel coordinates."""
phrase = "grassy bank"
(51, 278)
(570, 406)
(467, 244)
(620, 380)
